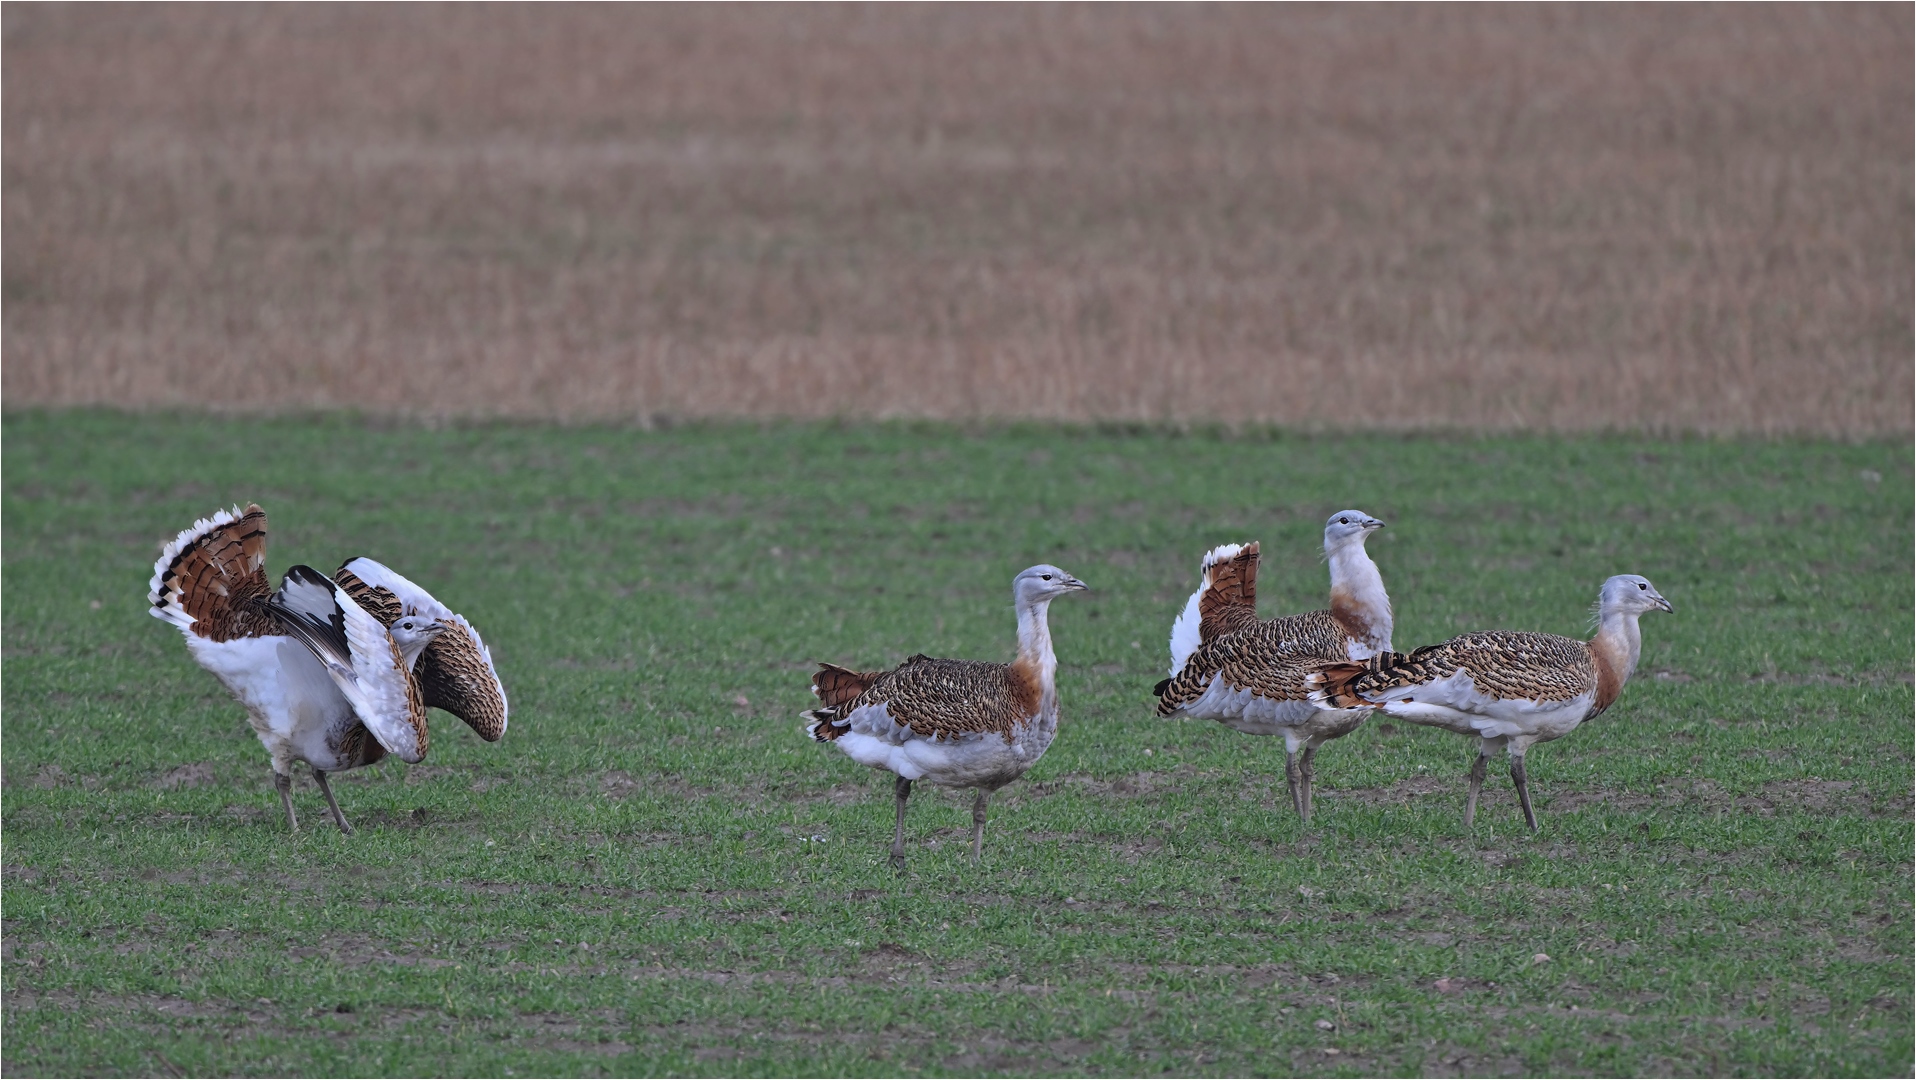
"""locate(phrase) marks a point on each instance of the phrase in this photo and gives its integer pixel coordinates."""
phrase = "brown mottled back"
(1271, 659)
(355, 747)
(415, 700)
(1503, 664)
(934, 697)
(219, 578)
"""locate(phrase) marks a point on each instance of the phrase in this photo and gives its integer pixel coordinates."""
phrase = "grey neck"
(1618, 631)
(1357, 577)
(1034, 645)
(412, 650)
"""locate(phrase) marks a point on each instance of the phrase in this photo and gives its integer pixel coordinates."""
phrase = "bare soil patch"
(199, 774)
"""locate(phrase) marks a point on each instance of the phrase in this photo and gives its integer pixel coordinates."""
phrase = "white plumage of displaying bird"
(1507, 690)
(1249, 674)
(954, 723)
(335, 673)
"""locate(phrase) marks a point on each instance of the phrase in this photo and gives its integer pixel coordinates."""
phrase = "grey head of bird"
(412, 633)
(1630, 594)
(1347, 527)
(1043, 583)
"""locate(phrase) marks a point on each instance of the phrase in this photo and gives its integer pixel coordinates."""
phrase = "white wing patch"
(414, 599)
(374, 681)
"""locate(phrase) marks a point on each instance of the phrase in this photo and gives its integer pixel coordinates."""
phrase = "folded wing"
(1466, 673)
(941, 699)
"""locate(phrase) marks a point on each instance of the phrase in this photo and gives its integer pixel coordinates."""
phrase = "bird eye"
(1343, 521)
(1047, 577)
(1643, 586)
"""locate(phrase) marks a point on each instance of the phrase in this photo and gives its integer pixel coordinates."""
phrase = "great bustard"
(1229, 666)
(1505, 689)
(333, 672)
(954, 723)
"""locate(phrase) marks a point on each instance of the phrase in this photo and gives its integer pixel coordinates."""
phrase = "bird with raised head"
(953, 723)
(1508, 690)
(1248, 674)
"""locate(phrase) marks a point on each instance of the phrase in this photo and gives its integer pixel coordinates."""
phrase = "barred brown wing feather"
(944, 698)
(380, 602)
(453, 675)
(1272, 659)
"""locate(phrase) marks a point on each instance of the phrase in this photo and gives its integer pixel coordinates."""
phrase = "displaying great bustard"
(954, 723)
(1505, 689)
(336, 672)
(1228, 666)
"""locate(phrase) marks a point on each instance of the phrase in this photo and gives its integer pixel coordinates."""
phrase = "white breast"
(290, 701)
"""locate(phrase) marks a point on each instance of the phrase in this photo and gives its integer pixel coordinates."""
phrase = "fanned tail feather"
(1334, 686)
(1225, 599)
(1185, 638)
(836, 687)
(208, 577)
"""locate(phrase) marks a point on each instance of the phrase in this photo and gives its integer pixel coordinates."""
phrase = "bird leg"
(978, 824)
(285, 785)
(1476, 784)
(1522, 782)
(338, 818)
(902, 789)
(1297, 783)
(1309, 775)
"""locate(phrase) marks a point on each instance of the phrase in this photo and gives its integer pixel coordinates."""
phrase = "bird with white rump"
(336, 672)
(953, 723)
(1508, 690)
(1248, 674)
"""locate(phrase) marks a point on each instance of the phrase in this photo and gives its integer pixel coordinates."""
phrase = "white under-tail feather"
(1185, 632)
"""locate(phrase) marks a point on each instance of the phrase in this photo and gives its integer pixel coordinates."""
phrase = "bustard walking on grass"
(954, 723)
(335, 673)
(1228, 666)
(1507, 690)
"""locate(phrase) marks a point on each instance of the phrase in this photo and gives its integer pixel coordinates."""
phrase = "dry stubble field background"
(1669, 219)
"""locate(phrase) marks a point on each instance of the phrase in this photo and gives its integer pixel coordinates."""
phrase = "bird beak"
(434, 627)
(1665, 605)
(1074, 583)
(1373, 525)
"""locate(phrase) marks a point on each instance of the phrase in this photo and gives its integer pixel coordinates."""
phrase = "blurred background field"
(1343, 218)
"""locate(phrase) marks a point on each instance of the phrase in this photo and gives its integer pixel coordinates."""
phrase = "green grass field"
(655, 872)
